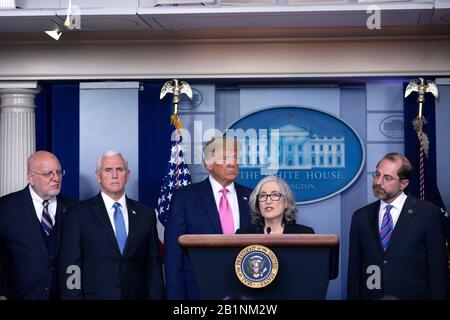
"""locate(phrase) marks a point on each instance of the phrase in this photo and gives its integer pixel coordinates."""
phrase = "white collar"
(216, 186)
(36, 198)
(109, 202)
(397, 203)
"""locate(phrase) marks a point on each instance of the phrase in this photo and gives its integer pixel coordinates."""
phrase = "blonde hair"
(218, 143)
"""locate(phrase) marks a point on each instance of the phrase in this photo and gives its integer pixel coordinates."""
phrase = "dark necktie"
(46, 221)
(386, 227)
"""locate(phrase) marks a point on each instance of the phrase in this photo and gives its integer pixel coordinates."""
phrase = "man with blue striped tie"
(112, 240)
(397, 244)
(30, 230)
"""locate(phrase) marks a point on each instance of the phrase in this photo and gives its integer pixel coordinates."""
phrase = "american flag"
(177, 175)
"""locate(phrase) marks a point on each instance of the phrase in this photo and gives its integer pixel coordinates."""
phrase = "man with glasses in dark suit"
(30, 225)
(397, 244)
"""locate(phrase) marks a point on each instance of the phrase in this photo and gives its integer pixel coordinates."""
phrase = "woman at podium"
(273, 209)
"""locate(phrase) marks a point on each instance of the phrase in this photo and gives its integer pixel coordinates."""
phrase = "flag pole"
(177, 174)
(419, 86)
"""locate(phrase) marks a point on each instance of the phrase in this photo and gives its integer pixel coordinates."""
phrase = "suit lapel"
(132, 225)
(209, 204)
(60, 211)
(244, 215)
(406, 215)
(374, 223)
(29, 214)
(102, 214)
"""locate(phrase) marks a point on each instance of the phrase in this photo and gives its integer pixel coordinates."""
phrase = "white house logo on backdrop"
(392, 127)
(187, 104)
(317, 153)
(299, 148)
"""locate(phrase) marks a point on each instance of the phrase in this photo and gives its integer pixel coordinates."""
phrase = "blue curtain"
(57, 129)
(412, 147)
(154, 141)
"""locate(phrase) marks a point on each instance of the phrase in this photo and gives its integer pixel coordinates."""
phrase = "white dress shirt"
(231, 196)
(39, 207)
(109, 203)
(395, 211)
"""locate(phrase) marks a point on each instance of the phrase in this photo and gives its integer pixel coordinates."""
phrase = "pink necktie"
(226, 215)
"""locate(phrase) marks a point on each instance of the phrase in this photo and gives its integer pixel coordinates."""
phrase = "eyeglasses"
(274, 196)
(386, 178)
(49, 174)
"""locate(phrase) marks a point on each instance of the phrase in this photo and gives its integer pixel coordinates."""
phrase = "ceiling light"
(55, 34)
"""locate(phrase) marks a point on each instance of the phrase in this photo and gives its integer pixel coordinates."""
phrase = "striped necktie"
(46, 221)
(386, 227)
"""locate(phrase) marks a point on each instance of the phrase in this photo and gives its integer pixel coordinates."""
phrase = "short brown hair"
(405, 170)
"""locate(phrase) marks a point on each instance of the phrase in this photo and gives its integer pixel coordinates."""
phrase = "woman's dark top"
(289, 228)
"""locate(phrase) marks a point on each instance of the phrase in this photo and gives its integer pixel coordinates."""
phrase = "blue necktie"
(46, 221)
(386, 227)
(121, 231)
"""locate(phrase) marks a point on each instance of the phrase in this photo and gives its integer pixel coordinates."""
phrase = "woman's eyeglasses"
(274, 196)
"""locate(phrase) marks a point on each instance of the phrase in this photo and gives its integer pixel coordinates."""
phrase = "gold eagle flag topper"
(419, 86)
(176, 88)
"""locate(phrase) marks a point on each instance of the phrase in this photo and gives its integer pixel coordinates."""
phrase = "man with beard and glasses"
(397, 245)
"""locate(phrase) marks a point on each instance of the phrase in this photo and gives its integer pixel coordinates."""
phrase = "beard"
(380, 193)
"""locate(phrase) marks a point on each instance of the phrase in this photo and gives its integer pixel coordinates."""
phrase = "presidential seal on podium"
(256, 266)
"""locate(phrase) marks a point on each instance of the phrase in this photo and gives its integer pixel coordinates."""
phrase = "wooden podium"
(306, 264)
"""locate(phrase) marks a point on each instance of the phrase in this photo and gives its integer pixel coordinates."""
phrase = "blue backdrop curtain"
(57, 130)
(154, 141)
(411, 110)
(412, 147)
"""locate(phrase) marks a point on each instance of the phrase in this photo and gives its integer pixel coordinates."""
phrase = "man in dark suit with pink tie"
(216, 205)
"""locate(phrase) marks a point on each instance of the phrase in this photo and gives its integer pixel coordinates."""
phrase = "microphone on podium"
(268, 230)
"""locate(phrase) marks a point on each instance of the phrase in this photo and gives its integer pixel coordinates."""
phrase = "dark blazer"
(193, 211)
(27, 269)
(88, 241)
(414, 265)
(289, 228)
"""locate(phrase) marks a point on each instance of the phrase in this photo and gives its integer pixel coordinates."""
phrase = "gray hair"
(110, 153)
(291, 212)
(37, 156)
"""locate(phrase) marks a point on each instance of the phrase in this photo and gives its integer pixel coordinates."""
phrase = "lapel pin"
(245, 198)
(410, 211)
(133, 212)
